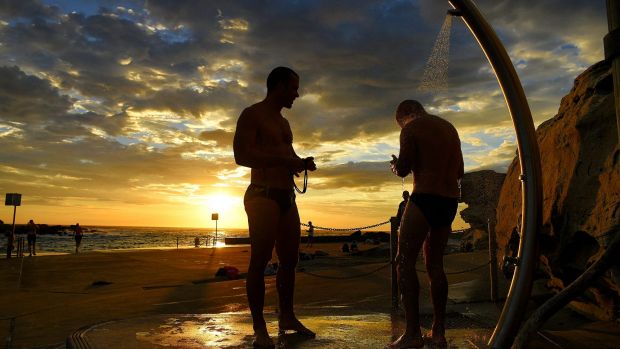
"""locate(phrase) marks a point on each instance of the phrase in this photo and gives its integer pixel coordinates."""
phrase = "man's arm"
(309, 162)
(404, 163)
(247, 153)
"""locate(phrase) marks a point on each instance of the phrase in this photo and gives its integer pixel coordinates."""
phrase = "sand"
(59, 294)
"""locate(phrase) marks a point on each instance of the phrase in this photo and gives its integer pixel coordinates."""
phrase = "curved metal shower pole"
(531, 178)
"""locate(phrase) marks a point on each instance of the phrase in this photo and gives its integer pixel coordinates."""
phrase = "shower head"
(454, 12)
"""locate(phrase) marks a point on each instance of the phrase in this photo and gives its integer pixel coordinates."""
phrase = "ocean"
(98, 238)
(121, 238)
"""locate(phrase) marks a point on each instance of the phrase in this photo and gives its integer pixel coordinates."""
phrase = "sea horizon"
(106, 238)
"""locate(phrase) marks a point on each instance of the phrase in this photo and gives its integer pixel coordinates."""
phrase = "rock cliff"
(580, 161)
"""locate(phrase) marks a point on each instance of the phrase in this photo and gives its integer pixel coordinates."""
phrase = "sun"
(221, 203)
(227, 206)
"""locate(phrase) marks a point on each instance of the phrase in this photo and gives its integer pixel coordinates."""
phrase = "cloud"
(221, 137)
(26, 9)
(496, 159)
(365, 176)
(137, 97)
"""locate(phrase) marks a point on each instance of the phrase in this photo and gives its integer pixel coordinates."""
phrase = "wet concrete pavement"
(335, 328)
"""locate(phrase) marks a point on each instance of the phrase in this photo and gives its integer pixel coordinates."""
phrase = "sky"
(123, 112)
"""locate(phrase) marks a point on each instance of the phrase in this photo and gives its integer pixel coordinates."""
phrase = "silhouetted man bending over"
(264, 142)
(431, 149)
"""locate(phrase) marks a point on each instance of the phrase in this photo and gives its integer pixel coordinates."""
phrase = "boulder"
(580, 161)
(480, 191)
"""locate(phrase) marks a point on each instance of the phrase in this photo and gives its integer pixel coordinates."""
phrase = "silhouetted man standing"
(264, 142)
(431, 149)
(401, 207)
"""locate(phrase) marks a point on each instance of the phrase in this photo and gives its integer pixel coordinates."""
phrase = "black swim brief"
(439, 211)
(285, 198)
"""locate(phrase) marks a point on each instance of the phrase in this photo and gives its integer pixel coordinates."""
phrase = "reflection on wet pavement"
(335, 328)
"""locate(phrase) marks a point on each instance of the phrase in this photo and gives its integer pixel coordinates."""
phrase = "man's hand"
(310, 165)
(393, 164)
(296, 165)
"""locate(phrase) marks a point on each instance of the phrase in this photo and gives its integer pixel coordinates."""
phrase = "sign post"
(12, 199)
(215, 217)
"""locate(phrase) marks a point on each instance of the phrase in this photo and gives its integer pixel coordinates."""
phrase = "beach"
(59, 294)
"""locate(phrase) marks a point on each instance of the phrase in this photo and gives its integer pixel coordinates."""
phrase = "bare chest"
(274, 133)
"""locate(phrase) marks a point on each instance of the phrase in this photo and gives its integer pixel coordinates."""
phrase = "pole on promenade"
(393, 251)
(12, 199)
(11, 241)
(215, 217)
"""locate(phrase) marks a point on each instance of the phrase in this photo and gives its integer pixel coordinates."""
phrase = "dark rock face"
(580, 161)
(480, 191)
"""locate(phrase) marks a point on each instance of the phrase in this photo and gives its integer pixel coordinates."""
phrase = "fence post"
(393, 251)
(20, 247)
(493, 258)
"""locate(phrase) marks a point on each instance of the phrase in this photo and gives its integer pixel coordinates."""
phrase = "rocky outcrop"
(480, 191)
(580, 161)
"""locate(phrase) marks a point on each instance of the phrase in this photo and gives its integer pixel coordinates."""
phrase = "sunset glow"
(226, 206)
(123, 112)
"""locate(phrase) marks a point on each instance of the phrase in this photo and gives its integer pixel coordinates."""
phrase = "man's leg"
(413, 231)
(434, 247)
(263, 216)
(287, 248)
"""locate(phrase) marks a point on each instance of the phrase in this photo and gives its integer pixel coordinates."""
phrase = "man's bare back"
(430, 147)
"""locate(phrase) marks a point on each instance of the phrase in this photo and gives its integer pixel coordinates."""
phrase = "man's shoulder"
(252, 111)
(250, 115)
(437, 119)
(443, 123)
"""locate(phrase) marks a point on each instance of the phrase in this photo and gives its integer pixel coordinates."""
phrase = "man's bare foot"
(294, 325)
(262, 339)
(435, 340)
(406, 342)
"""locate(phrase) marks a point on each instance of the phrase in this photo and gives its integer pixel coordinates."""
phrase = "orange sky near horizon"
(198, 214)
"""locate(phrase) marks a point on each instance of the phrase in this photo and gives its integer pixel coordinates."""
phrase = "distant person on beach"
(310, 234)
(512, 250)
(77, 234)
(431, 149)
(32, 237)
(401, 207)
(264, 142)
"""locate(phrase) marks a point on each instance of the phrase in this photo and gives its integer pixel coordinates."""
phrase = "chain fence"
(384, 265)
(347, 229)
